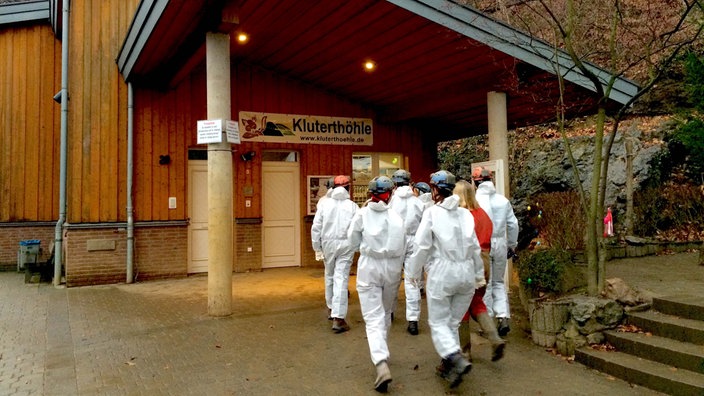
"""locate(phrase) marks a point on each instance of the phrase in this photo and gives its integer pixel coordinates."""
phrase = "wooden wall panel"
(28, 183)
(97, 111)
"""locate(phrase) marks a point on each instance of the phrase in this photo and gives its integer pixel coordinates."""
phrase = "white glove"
(319, 256)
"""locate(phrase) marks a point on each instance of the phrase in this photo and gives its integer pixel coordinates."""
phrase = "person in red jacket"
(477, 309)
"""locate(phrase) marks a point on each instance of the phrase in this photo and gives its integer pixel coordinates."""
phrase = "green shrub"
(687, 144)
(541, 270)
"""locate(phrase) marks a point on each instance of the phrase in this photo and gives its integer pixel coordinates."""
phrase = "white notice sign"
(209, 131)
(232, 130)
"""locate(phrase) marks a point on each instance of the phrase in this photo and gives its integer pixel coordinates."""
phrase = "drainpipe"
(58, 233)
(130, 208)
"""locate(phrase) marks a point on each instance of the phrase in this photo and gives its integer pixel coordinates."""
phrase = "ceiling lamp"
(242, 38)
(369, 66)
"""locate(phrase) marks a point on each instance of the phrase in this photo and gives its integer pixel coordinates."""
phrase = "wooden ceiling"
(426, 72)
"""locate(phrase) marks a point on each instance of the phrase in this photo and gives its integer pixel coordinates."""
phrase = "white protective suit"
(329, 235)
(410, 208)
(446, 240)
(379, 235)
(504, 237)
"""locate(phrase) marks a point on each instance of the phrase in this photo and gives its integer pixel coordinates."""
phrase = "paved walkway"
(155, 338)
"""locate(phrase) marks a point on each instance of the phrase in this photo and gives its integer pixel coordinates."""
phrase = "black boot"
(503, 328)
(413, 327)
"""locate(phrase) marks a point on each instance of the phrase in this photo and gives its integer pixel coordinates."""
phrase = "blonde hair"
(465, 190)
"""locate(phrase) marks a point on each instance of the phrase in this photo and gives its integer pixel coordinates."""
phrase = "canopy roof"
(435, 59)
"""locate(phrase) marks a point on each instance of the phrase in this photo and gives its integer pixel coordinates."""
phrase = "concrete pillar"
(220, 213)
(498, 132)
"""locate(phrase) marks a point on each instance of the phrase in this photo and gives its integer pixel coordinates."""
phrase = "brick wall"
(10, 237)
(248, 233)
(161, 252)
(85, 267)
(98, 256)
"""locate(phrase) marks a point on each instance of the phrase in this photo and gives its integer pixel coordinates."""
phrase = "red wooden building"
(115, 174)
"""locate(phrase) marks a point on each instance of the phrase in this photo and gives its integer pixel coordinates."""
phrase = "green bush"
(687, 144)
(542, 270)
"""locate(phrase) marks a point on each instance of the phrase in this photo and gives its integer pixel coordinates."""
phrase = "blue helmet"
(380, 185)
(443, 180)
(401, 177)
(422, 187)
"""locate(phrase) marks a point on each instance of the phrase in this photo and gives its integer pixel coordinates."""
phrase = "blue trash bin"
(28, 253)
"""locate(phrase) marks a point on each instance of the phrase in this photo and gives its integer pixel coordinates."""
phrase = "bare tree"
(638, 39)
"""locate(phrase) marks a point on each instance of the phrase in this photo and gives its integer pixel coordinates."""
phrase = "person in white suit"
(329, 237)
(504, 240)
(410, 208)
(447, 242)
(378, 233)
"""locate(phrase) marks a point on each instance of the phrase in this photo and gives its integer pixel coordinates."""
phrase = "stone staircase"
(668, 357)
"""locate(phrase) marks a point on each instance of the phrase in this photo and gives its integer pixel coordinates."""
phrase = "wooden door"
(281, 222)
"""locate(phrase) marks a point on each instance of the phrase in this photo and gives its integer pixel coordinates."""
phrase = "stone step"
(647, 373)
(669, 326)
(685, 306)
(675, 353)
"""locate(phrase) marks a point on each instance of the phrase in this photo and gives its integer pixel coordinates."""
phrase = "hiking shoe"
(339, 325)
(503, 328)
(412, 327)
(459, 367)
(383, 377)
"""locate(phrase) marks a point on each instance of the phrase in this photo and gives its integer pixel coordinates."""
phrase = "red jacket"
(483, 227)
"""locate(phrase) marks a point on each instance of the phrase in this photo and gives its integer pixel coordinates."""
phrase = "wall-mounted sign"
(317, 189)
(305, 129)
(232, 130)
(209, 131)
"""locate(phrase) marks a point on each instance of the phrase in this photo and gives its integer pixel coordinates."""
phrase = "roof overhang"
(436, 59)
(24, 12)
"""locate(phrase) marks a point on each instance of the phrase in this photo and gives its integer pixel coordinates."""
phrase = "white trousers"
(496, 296)
(449, 290)
(412, 291)
(338, 261)
(377, 286)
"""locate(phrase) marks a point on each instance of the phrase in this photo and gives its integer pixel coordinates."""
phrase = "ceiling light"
(369, 65)
(242, 38)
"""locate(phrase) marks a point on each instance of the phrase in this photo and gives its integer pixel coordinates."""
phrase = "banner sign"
(305, 129)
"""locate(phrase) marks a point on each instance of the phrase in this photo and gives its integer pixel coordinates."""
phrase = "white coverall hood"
(340, 193)
(408, 206)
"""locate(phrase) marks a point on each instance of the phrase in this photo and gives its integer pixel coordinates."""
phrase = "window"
(366, 166)
(280, 156)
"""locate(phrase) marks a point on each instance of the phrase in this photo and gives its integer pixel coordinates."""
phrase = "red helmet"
(341, 181)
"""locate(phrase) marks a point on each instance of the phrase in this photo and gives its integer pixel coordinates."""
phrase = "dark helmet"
(341, 180)
(401, 177)
(422, 187)
(380, 185)
(443, 180)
